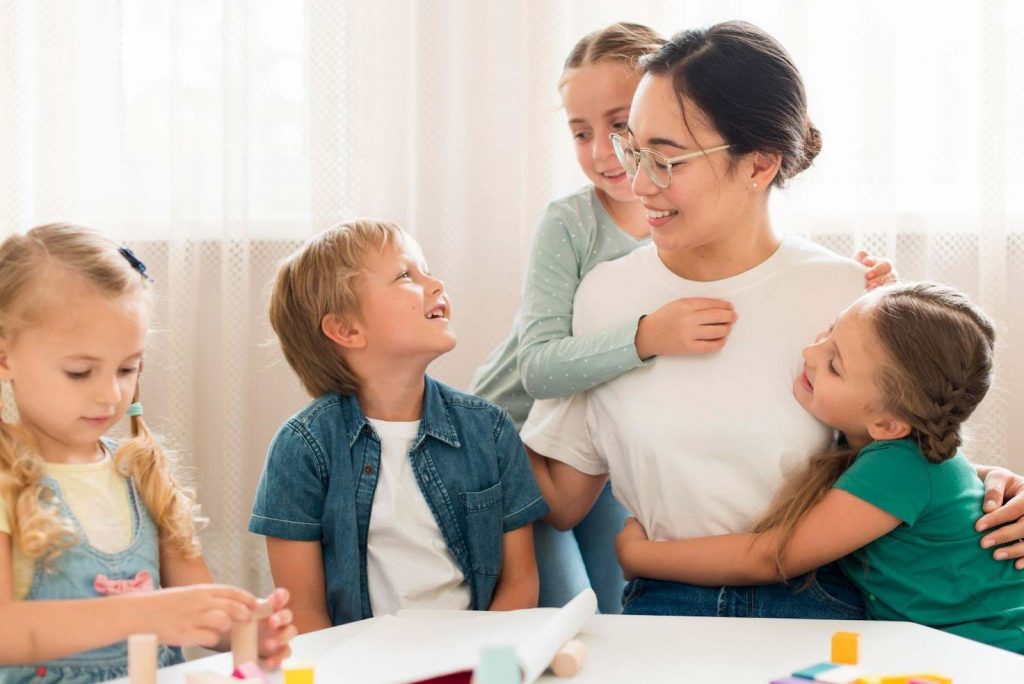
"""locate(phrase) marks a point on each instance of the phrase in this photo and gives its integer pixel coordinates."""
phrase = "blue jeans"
(569, 562)
(829, 597)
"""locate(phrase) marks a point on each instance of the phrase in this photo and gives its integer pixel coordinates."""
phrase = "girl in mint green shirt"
(541, 359)
(896, 375)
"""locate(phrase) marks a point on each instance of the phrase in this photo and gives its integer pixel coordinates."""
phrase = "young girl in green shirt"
(896, 375)
(541, 359)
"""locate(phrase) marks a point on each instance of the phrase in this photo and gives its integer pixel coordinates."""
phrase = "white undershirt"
(697, 445)
(408, 563)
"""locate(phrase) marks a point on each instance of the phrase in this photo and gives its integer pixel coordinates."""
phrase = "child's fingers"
(281, 618)
(278, 598)
(206, 638)
(239, 612)
(217, 621)
(713, 331)
(235, 594)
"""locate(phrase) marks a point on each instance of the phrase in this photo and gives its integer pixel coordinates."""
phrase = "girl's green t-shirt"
(932, 569)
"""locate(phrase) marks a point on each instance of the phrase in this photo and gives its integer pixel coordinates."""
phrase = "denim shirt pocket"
(484, 530)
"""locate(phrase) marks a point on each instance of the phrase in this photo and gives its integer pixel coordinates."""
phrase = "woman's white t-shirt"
(697, 445)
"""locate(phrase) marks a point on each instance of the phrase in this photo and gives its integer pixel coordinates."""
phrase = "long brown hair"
(38, 531)
(938, 349)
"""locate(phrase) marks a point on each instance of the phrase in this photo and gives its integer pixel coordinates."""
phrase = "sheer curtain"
(214, 136)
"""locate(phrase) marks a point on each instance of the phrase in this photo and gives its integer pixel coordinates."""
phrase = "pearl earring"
(755, 184)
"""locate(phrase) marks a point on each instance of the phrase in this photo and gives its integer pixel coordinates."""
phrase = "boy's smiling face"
(404, 311)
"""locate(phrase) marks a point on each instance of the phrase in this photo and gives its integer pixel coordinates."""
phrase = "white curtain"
(214, 135)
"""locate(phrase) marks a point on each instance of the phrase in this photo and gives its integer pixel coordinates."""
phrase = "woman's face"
(707, 197)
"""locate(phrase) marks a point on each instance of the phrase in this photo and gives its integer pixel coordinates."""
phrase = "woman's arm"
(569, 493)
(519, 584)
(298, 566)
(33, 631)
(839, 524)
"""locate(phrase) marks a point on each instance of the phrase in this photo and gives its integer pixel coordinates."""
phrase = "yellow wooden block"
(298, 672)
(845, 647)
(905, 679)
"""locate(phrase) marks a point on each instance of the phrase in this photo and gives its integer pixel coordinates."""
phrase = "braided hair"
(939, 367)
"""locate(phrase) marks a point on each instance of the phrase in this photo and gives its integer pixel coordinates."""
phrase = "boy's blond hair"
(321, 279)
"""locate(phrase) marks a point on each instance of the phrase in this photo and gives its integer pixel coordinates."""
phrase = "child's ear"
(342, 331)
(888, 427)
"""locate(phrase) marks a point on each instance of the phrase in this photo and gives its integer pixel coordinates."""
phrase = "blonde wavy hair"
(38, 531)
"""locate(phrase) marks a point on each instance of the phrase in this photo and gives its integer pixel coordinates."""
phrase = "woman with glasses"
(696, 445)
(541, 358)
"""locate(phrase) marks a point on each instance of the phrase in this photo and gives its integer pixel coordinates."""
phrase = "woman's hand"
(627, 543)
(880, 270)
(276, 631)
(194, 615)
(1004, 510)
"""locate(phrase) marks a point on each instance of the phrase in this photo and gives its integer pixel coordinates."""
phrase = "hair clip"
(135, 262)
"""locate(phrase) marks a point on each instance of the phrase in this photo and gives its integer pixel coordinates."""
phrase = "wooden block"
(497, 666)
(249, 672)
(843, 674)
(142, 658)
(262, 610)
(569, 659)
(298, 672)
(845, 648)
(244, 646)
(905, 679)
(814, 670)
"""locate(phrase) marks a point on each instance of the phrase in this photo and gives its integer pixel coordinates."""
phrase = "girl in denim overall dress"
(90, 530)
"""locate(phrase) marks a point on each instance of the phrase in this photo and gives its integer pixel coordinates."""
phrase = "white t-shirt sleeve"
(557, 429)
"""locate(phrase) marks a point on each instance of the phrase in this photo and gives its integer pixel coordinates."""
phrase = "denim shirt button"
(368, 470)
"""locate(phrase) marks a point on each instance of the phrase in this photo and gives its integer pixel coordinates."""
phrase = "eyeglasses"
(657, 165)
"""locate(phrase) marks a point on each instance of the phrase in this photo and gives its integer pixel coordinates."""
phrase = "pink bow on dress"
(105, 586)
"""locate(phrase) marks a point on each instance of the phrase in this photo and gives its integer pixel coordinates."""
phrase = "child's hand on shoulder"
(194, 615)
(276, 630)
(880, 270)
(692, 325)
(626, 543)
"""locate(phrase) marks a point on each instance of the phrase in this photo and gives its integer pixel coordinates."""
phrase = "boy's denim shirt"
(321, 473)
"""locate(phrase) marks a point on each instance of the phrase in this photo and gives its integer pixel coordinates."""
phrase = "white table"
(647, 650)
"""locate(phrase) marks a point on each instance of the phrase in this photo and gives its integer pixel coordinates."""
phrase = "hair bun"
(812, 145)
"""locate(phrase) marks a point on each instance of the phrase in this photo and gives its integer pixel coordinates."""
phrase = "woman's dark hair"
(746, 84)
